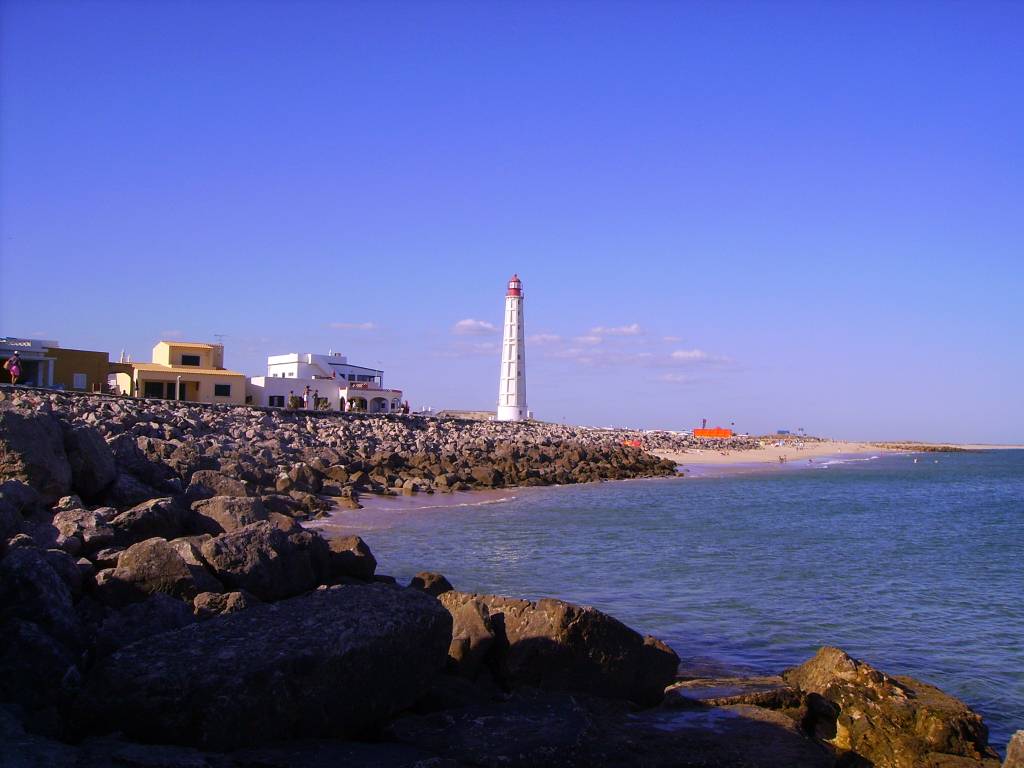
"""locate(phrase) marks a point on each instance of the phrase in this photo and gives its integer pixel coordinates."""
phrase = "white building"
(329, 379)
(512, 379)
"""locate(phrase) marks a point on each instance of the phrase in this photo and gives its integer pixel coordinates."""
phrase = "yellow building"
(183, 370)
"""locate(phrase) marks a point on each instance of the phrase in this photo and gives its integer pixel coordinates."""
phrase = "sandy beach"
(770, 454)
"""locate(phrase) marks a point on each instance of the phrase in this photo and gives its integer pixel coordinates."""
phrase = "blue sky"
(774, 214)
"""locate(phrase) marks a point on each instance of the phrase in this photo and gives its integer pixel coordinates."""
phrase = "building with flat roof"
(45, 363)
(326, 382)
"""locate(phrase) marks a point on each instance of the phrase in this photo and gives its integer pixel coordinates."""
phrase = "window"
(153, 389)
(190, 360)
(222, 390)
(79, 381)
(276, 401)
(172, 391)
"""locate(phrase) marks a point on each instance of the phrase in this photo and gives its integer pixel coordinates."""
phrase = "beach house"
(46, 364)
(185, 370)
(339, 385)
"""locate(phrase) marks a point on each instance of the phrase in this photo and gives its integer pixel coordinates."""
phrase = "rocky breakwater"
(162, 604)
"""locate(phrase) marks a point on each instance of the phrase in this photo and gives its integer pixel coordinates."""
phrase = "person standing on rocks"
(13, 367)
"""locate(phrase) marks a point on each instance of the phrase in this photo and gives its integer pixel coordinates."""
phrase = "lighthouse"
(512, 382)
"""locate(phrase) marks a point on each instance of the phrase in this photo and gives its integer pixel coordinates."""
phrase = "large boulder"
(155, 615)
(1015, 751)
(37, 668)
(892, 721)
(430, 582)
(221, 514)
(154, 565)
(556, 645)
(32, 450)
(91, 460)
(351, 557)
(164, 518)
(30, 589)
(337, 662)
(207, 483)
(266, 561)
(90, 527)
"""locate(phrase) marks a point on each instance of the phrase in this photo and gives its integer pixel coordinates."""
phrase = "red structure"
(717, 432)
(515, 286)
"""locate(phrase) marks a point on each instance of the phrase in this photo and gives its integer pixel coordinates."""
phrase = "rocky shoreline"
(161, 604)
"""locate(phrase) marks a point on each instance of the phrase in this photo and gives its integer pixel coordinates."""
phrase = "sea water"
(916, 567)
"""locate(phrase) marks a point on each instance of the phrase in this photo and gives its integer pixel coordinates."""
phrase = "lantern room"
(515, 286)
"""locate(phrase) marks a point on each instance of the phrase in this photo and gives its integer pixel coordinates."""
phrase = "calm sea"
(917, 568)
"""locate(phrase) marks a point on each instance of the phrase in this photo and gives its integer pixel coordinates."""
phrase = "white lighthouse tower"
(512, 383)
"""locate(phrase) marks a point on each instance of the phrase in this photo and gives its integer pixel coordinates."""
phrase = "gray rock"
(91, 460)
(31, 590)
(155, 615)
(37, 668)
(207, 483)
(89, 527)
(32, 450)
(334, 663)
(163, 518)
(221, 514)
(210, 604)
(556, 645)
(153, 566)
(472, 637)
(432, 583)
(351, 557)
(263, 560)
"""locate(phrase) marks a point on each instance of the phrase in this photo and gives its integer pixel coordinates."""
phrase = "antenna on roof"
(220, 338)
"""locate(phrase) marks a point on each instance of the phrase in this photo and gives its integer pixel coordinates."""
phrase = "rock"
(153, 566)
(210, 604)
(155, 615)
(31, 590)
(37, 668)
(472, 637)
(351, 557)
(263, 560)
(227, 513)
(65, 503)
(555, 645)
(163, 518)
(191, 548)
(333, 663)
(207, 483)
(10, 522)
(22, 497)
(432, 583)
(32, 450)
(89, 527)
(128, 491)
(892, 721)
(487, 476)
(91, 460)
(65, 566)
(1015, 751)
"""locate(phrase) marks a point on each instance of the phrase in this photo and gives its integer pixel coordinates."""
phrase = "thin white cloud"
(676, 378)
(633, 329)
(591, 340)
(672, 339)
(471, 327)
(541, 339)
(690, 355)
(352, 326)
(171, 334)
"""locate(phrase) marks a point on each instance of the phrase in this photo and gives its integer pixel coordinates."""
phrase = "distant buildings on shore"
(194, 372)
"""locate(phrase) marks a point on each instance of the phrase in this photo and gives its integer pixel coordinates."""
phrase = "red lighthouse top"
(515, 286)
